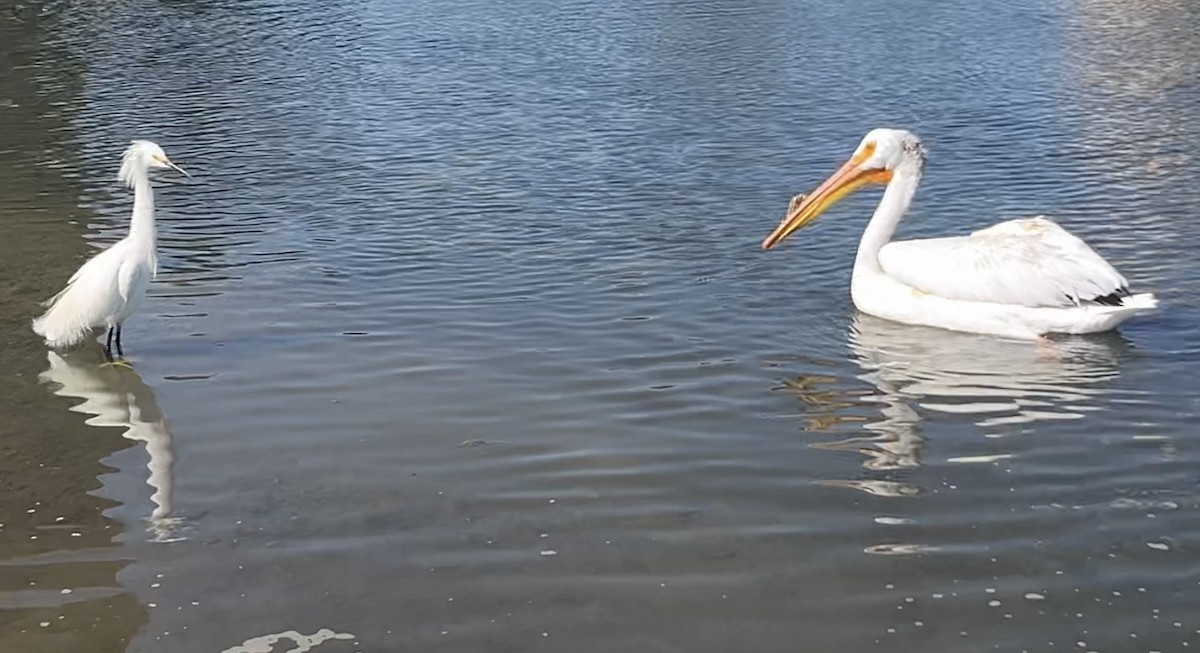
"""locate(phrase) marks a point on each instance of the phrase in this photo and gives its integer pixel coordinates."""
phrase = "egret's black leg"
(108, 345)
(120, 351)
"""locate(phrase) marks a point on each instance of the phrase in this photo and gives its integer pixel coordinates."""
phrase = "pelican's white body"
(1020, 279)
(882, 296)
(109, 288)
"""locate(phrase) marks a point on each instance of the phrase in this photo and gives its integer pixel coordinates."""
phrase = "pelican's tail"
(1110, 317)
(69, 319)
(1097, 318)
(1138, 304)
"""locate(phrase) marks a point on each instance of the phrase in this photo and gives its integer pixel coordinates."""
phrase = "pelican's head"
(142, 156)
(881, 153)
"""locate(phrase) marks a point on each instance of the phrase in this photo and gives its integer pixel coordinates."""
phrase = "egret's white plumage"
(1021, 278)
(109, 287)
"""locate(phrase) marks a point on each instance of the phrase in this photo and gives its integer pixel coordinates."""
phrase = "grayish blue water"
(462, 340)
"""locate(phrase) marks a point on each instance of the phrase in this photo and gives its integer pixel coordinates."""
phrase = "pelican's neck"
(892, 206)
(141, 225)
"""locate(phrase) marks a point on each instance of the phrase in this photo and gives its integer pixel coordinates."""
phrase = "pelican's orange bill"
(846, 180)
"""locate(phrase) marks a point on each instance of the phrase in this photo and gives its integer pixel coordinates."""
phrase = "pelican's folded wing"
(1028, 262)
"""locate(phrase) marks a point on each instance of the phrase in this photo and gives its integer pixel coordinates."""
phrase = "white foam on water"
(304, 643)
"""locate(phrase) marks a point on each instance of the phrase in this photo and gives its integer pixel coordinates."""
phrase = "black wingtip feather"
(1114, 298)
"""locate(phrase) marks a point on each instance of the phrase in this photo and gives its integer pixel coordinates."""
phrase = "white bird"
(108, 288)
(1020, 279)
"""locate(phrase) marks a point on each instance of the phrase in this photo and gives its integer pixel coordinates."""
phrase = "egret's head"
(879, 155)
(141, 157)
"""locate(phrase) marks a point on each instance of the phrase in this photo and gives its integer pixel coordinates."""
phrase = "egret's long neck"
(896, 198)
(141, 225)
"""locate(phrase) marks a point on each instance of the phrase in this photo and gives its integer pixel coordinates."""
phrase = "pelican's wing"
(1029, 262)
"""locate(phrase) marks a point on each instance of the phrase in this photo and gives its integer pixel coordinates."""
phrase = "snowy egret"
(108, 288)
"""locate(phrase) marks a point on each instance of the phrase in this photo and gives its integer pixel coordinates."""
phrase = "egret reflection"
(115, 395)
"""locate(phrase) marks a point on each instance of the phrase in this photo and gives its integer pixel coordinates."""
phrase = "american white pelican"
(1021, 278)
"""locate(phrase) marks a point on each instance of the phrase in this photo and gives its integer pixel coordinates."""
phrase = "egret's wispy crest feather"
(133, 160)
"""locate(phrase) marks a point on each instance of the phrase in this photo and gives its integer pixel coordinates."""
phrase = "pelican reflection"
(915, 373)
(117, 396)
(996, 382)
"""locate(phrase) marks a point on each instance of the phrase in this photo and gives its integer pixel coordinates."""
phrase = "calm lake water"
(462, 339)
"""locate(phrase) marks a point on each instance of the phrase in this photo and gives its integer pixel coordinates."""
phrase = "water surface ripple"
(466, 343)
